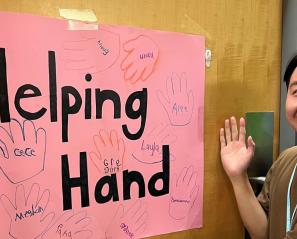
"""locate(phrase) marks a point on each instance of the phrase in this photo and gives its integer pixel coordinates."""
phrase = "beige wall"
(244, 36)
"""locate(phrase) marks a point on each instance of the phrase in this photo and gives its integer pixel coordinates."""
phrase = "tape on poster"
(84, 19)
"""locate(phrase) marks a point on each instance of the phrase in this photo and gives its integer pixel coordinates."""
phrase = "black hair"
(289, 70)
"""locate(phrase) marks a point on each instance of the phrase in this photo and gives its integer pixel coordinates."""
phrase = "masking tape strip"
(76, 25)
(80, 19)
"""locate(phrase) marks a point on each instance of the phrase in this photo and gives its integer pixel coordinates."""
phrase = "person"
(273, 213)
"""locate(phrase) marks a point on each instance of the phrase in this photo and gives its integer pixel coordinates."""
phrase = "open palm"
(236, 154)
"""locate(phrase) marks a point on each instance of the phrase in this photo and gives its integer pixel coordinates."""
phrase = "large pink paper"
(101, 132)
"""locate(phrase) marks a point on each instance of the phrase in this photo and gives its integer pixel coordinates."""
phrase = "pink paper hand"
(70, 226)
(178, 102)
(141, 59)
(27, 214)
(109, 154)
(91, 51)
(183, 193)
(129, 223)
(22, 150)
(149, 150)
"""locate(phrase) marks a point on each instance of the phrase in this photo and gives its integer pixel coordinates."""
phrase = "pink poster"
(101, 132)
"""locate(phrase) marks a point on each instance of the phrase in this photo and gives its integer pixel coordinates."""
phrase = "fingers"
(168, 139)
(173, 185)
(147, 72)
(227, 131)
(122, 150)
(75, 55)
(188, 175)
(83, 223)
(78, 221)
(104, 136)
(141, 224)
(99, 144)
(95, 158)
(83, 234)
(44, 199)
(127, 62)
(41, 138)
(230, 133)
(74, 46)
(5, 142)
(20, 200)
(16, 131)
(76, 218)
(29, 132)
(114, 139)
(130, 72)
(234, 129)
(47, 220)
(194, 194)
(242, 131)
(80, 65)
(190, 101)
(175, 81)
(139, 213)
(8, 206)
(119, 213)
(183, 83)
(163, 100)
(133, 209)
(193, 180)
(251, 145)
(170, 88)
(181, 177)
(222, 137)
(137, 75)
(129, 45)
(33, 195)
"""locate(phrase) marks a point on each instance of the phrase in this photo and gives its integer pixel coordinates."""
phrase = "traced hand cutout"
(70, 226)
(129, 223)
(110, 151)
(27, 214)
(183, 193)
(22, 150)
(149, 150)
(93, 51)
(141, 59)
(178, 102)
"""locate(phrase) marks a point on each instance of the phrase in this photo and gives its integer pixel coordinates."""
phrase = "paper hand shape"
(141, 59)
(27, 214)
(91, 51)
(183, 193)
(129, 223)
(70, 226)
(149, 150)
(109, 154)
(178, 102)
(22, 150)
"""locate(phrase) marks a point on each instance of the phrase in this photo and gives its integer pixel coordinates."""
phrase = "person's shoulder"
(286, 157)
(289, 152)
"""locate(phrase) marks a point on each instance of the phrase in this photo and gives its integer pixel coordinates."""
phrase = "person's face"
(291, 102)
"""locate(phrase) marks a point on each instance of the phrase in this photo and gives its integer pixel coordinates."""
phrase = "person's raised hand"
(236, 152)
